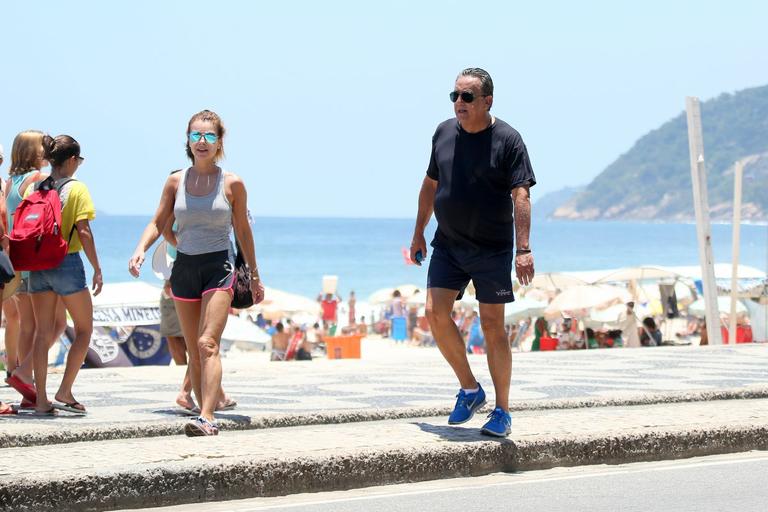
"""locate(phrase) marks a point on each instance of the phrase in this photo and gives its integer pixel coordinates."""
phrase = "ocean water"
(294, 253)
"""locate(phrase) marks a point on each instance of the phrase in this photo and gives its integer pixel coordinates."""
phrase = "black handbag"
(6, 268)
(242, 297)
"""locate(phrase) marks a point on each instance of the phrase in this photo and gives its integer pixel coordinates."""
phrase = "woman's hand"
(134, 264)
(98, 282)
(257, 290)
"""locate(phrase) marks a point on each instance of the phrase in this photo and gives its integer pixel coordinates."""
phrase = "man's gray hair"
(486, 84)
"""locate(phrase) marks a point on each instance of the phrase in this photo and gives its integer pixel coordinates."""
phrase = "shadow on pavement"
(458, 434)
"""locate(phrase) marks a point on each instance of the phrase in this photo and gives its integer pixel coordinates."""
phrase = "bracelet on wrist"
(523, 251)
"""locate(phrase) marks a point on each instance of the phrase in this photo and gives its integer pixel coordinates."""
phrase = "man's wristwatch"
(523, 251)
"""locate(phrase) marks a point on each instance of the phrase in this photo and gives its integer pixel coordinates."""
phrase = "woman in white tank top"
(206, 201)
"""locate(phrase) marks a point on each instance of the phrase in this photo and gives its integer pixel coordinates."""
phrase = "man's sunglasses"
(210, 137)
(466, 96)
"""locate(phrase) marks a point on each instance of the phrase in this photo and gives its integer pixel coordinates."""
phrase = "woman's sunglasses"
(210, 137)
(466, 96)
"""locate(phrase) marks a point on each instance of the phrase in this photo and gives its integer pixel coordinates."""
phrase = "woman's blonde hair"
(26, 152)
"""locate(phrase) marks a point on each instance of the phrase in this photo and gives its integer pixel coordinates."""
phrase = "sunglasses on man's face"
(209, 137)
(466, 96)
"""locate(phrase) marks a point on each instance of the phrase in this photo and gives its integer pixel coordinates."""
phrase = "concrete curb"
(245, 478)
(234, 421)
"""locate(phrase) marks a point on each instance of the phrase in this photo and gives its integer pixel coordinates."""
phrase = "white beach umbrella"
(585, 297)
(407, 290)
(556, 280)
(239, 329)
(523, 307)
(289, 303)
(418, 299)
(382, 296)
(638, 274)
(723, 307)
(469, 301)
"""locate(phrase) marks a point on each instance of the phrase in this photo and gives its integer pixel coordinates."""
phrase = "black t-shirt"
(476, 173)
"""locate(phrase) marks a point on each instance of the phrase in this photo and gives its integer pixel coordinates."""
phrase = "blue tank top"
(14, 195)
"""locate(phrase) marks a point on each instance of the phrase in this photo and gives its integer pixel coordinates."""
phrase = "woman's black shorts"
(193, 276)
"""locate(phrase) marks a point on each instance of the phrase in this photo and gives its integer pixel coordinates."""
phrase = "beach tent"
(126, 318)
(131, 303)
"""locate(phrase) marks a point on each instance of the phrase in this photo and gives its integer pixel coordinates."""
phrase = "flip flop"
(49, 412)
(7, 410)
(189, 412)
(26, 404)
(26, 390)
(73, 407)
(229, 404)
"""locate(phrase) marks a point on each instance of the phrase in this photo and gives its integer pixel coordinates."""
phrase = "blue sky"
(330, 107)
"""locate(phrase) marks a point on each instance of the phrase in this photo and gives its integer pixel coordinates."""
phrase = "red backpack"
(35, 242)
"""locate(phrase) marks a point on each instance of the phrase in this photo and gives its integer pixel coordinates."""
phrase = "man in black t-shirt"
(477, 184)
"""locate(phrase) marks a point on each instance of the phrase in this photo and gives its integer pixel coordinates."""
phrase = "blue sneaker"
(466, 405)
(499, 424)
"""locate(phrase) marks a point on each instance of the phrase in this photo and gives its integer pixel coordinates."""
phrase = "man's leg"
(439, 306)
(499, 353)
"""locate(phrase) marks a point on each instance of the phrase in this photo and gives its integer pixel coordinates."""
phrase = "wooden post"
(737, 178)
(703, 228)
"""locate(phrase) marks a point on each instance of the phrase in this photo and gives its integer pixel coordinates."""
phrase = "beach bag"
(36, 241)
(242, 297)
(7, 272)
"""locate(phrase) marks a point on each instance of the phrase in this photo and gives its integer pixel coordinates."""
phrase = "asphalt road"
(724, 482)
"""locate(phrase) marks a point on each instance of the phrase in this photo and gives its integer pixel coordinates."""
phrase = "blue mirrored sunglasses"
(210, 137)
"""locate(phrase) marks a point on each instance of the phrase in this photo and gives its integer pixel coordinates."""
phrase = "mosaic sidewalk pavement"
(395, 377)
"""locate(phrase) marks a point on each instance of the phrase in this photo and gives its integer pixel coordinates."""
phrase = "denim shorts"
(66, 279)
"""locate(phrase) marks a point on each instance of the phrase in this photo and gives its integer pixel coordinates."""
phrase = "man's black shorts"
(491, 274)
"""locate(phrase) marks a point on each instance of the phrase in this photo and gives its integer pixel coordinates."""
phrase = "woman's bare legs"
(80, 307)
(189, 318)
(202, 324)
(44, 307)
(27, 334)
(11, 311)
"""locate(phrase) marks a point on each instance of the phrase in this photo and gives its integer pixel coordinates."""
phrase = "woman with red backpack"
(67, 280)
(27, 162)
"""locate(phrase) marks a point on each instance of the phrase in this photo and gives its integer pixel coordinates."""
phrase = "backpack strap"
(61, 184)
(59, 188)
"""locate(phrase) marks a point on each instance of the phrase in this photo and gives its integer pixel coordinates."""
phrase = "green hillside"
(653, 179)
